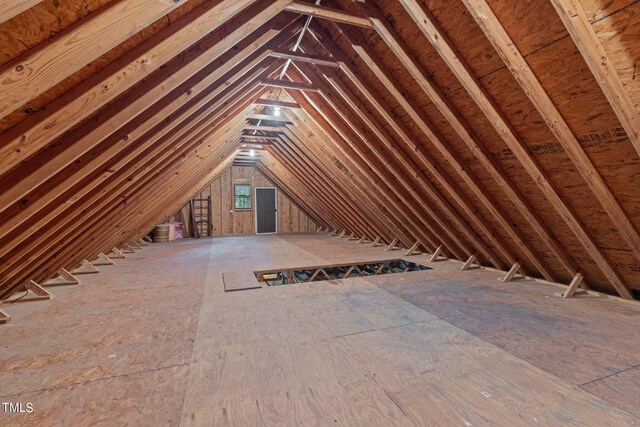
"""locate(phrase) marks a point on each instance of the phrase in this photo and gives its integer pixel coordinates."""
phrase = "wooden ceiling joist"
(301, 57)
(289, 85)
(327, 13)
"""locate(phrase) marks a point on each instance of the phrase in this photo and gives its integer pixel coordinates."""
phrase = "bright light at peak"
(252, 153)
(276, 111)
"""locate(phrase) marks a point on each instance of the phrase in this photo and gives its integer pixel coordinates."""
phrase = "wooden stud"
(85, 268)
(4, 317)
(434, 257)
(511, 274)
(467, 265)
(141, 242)
(116, 254)
(573, 286)
(413, 250)
(102, 259)
(64, 278)
(376, 242)
(393, 245)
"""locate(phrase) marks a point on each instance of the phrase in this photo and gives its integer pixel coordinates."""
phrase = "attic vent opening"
(336, 272)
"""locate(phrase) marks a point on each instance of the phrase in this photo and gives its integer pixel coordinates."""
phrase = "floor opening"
(338, 271)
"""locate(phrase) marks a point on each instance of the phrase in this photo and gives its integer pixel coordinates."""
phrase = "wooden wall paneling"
(420, 180)
(11, 8)
(179, 83)
(474, 88)
(292, 194)
(107, 190)
(604, 70)
(226, 203)
(35, 132)
(43, 67)
(518, 66)
(300, 190)
(402, 53)
(242, 219)
(297, 189)
(400, 213)
(288, 189)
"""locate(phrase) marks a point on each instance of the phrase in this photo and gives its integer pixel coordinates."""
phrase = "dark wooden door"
(266, 211)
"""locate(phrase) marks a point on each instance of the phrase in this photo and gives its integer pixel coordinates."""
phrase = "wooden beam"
(434, 257)
(393, 245)
(64, 278)
(529, 83)
(467, 265)
(456, 63)
(327, 13)
(41, 68)
(288, 85)
(275, 103)
(11, 8)
(604, 70)
(573, 286)
(263, 129)
(413, 250)
(4, 317)
(303, 57)
(116, 254)
(102, 259)
(511, 274)
(85, 268)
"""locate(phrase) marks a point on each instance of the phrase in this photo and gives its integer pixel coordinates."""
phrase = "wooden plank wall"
(227, 221)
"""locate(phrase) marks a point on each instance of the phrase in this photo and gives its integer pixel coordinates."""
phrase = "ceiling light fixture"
(276, 111)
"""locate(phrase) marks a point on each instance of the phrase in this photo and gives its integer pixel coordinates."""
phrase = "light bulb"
(252, 153)
(276, 111)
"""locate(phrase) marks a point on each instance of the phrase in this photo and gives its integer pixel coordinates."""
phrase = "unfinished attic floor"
(155, 340)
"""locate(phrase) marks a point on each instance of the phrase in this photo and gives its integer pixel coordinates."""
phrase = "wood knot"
(23, 203)
(125, 138)
(19, 68)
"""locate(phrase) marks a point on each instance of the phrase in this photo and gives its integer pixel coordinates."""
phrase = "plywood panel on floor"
(380, 351)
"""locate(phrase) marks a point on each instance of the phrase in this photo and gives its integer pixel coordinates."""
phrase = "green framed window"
(242, 196)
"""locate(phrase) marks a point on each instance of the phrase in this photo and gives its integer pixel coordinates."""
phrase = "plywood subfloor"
(155, 340)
